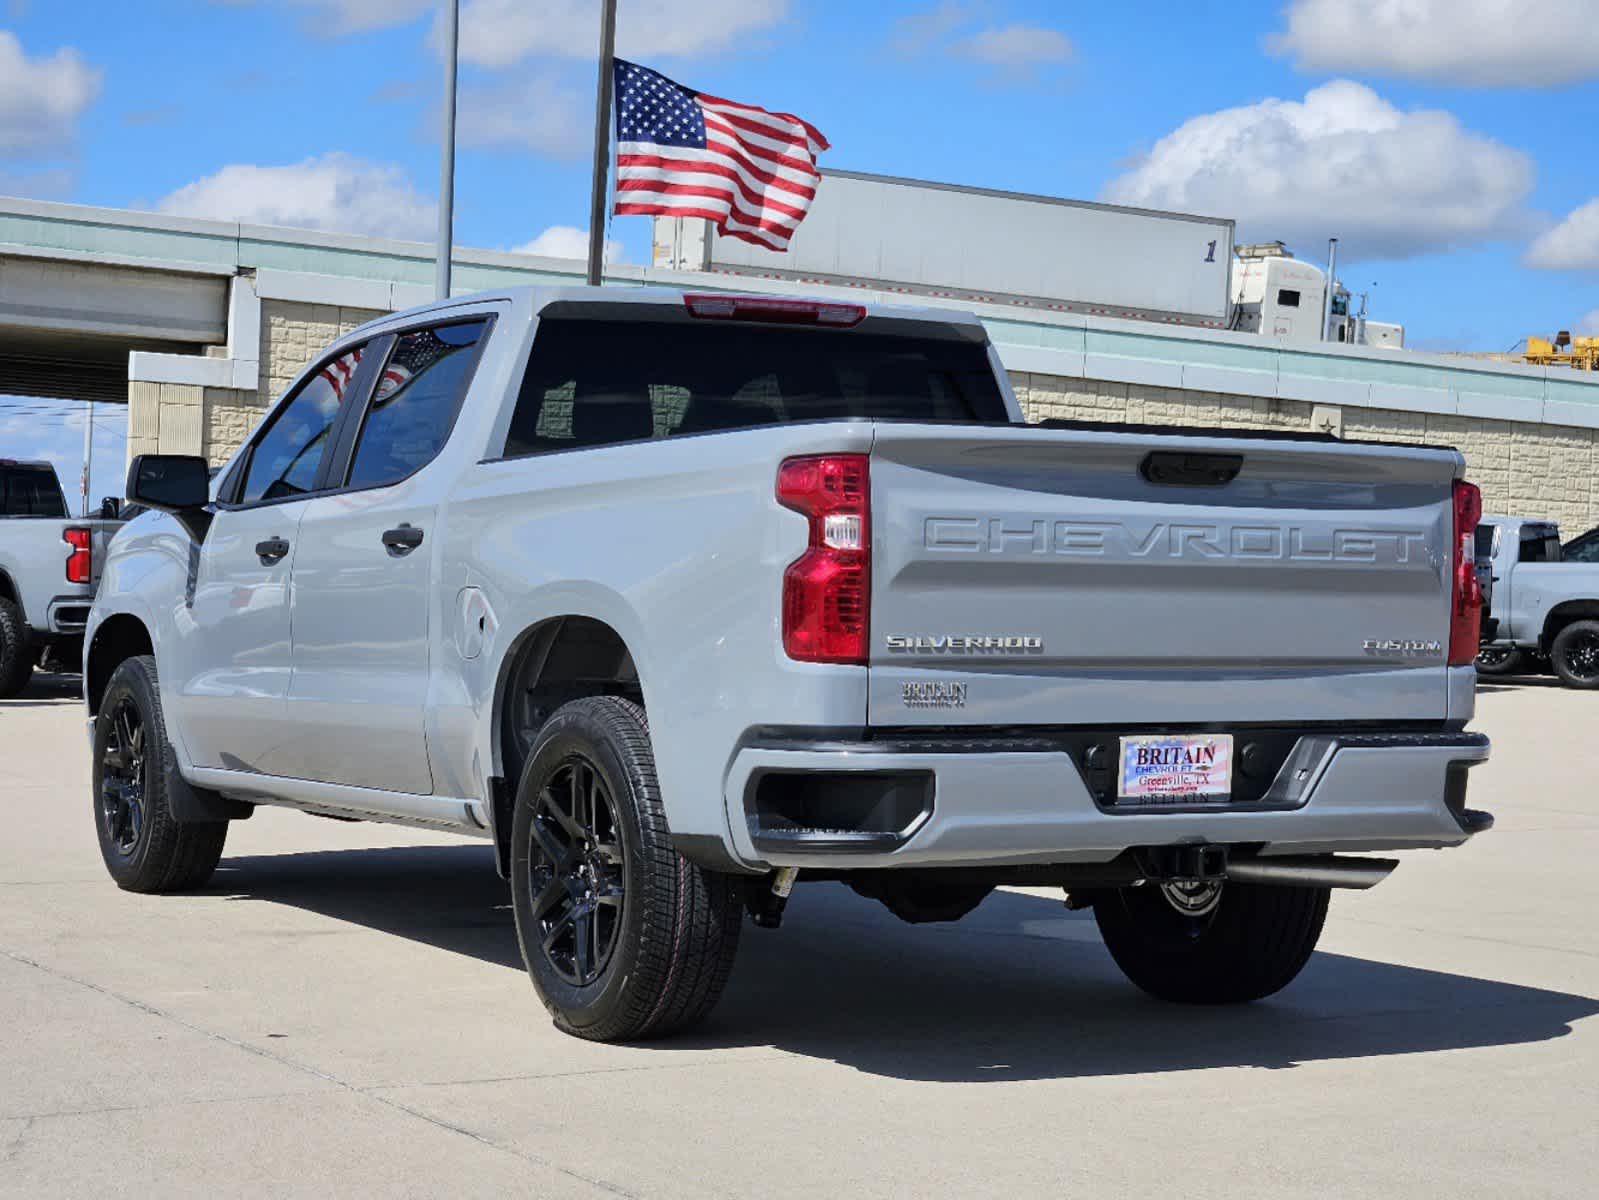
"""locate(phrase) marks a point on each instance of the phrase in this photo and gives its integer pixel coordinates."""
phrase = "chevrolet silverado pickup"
(1544, 605)
(48, 567)
(680, 599)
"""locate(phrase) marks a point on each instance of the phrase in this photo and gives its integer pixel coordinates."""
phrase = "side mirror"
(174, 483)
(110, 508)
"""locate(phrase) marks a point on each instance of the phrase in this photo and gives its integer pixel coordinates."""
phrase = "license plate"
(1176, 769)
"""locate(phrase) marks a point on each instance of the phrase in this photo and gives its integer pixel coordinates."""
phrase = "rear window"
(597, 382)
(1539, 545)
(31, 492)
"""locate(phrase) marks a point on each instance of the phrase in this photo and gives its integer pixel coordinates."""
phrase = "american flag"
(683, 153)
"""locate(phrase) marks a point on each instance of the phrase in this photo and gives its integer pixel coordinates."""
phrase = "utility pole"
(1327, 299)
(602, 142)
(452, 33)
(88, 456)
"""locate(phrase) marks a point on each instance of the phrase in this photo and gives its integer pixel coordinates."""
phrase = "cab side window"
(413, 406)
(287, 456)
(1583, 550)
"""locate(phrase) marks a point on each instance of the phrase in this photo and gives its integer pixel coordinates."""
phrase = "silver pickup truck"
(48, 567)
(1543, 604)
(680, 598)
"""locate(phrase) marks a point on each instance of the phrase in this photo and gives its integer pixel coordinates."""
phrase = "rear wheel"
(1500, 660)
(1211, 943)
(144, 848)
(623, 937)
(17, 655)
(1575, 654)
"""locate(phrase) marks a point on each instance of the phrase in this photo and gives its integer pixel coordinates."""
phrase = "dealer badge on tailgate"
(1176, 769)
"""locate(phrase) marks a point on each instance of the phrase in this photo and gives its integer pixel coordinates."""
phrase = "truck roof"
(537, 299)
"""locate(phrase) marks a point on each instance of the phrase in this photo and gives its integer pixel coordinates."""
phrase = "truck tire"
(1574, 654)
(1501, 660)
(1251, 942)
(145, 849)
(623, 937)
(17, 656)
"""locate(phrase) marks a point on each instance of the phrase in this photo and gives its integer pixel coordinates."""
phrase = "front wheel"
(1211, 943)
(1574, 654)
(145, 849)
(623, 937)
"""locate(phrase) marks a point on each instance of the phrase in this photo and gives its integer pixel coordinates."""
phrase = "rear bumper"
(68, 615)
(1013, 800)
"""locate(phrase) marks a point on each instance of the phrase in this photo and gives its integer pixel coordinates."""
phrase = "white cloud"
(41, 99)
(1571, 245)
(955, 29)
(333, 18)
(45, 183)
(1589, 325)
(1343, 162)
(1011, 47)
(568, 241)
(1489, 43)
(916, 33)
(333, 192)
(532, 113)
(498, 33)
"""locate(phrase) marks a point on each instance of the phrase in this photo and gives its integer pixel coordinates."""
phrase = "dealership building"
(199, 325)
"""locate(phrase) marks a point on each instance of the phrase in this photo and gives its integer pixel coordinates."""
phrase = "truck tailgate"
(1031, 576)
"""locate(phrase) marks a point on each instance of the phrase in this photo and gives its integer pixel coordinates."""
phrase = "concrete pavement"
(343, 1012)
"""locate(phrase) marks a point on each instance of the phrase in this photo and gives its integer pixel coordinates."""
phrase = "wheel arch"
(116, 639)
(549, 663)
(1564, 614)
(8, 589)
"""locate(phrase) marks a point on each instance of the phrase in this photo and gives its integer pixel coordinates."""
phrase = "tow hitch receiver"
(1196, 861)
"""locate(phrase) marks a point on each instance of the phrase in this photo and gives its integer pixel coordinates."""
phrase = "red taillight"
(826, 590)
(1465, 614)
(78, 561)
(711, 306)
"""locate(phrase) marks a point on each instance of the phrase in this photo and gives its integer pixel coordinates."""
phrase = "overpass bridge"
(198, 325)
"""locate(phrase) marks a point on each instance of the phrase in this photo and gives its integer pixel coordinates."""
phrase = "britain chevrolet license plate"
(1176, 769)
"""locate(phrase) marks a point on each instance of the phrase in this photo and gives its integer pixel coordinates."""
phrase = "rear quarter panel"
(680, 546)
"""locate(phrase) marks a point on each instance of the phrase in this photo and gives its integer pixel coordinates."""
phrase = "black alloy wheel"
(144, 846)
(1576, 654)
(578, 872)
(1499, 660)
(123, 777)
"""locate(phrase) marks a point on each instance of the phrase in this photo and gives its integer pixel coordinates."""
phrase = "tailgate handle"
(1186, 469)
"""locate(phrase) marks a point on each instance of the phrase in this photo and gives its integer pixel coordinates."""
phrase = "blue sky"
(1446, 142)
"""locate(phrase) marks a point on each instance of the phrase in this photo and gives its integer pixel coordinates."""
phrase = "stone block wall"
(1523, 467)
(293, 333)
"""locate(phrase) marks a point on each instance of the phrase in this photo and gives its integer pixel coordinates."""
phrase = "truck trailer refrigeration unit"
(976, 245)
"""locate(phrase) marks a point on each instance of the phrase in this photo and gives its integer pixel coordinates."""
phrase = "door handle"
(402, 540)
(271, 550)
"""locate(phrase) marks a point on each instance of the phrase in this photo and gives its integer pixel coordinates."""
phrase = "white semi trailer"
(976, 245)
(981, 246)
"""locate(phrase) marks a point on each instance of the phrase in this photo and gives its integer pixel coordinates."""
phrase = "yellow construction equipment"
(1579, 353)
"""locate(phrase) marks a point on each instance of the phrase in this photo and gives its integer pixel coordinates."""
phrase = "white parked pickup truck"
(48, 567)
(680, 598)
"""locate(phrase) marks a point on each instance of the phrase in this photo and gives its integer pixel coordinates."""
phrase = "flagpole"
(446, 245)
(602, 142)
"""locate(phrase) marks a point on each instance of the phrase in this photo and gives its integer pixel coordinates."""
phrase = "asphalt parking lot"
(343, 1012)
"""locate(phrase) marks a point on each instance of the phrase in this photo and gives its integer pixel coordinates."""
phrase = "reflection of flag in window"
(415, 353)
(340, 371)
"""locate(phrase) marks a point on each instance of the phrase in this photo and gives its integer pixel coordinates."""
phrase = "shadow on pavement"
(1515, 683)
(1021, 989)
(46, 688)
